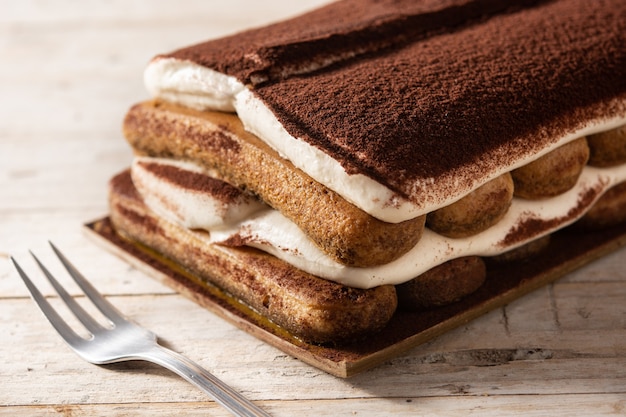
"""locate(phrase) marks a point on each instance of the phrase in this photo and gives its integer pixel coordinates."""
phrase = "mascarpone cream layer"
(268, 230)
(202, 88)
(193, 209)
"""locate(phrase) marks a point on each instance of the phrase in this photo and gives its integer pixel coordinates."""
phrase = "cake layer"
(182, 192)
(306, 306)
(419, 123)
(271, 232)
(218, 143)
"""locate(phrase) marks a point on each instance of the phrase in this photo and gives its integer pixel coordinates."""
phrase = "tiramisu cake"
(372, 155)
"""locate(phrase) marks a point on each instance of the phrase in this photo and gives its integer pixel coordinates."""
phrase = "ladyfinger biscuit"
(608, 148)
(443, 284)
(553, 173)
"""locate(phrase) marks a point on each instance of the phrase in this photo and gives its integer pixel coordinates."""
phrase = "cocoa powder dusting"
(193, 181)
(515, 82)
(407, 91)
(335, 32)
(533, 226)
(123, 185)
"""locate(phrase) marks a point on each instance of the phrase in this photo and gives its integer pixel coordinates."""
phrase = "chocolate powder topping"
(440, 105)
(424, 89)
(533, 226)
(193, 181)
(334, 33)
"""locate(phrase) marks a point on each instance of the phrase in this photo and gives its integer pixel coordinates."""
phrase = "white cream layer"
(191, 84)
(270, 231)
(189, 208)
(202, 88)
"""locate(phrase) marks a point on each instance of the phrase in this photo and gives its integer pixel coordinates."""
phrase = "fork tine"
(103, 305)
(78, 311)
(57, 322)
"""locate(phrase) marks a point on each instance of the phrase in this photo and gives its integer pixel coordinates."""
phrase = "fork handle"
(207, 382)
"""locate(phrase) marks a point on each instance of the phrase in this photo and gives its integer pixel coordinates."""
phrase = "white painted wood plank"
(558, 365)
(459, 406)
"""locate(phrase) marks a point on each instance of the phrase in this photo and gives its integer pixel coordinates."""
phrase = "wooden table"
(68, 72)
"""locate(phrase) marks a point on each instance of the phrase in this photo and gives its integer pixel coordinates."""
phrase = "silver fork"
(125, 340)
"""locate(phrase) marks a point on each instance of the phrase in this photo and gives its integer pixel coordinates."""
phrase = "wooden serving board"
(505, 282)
